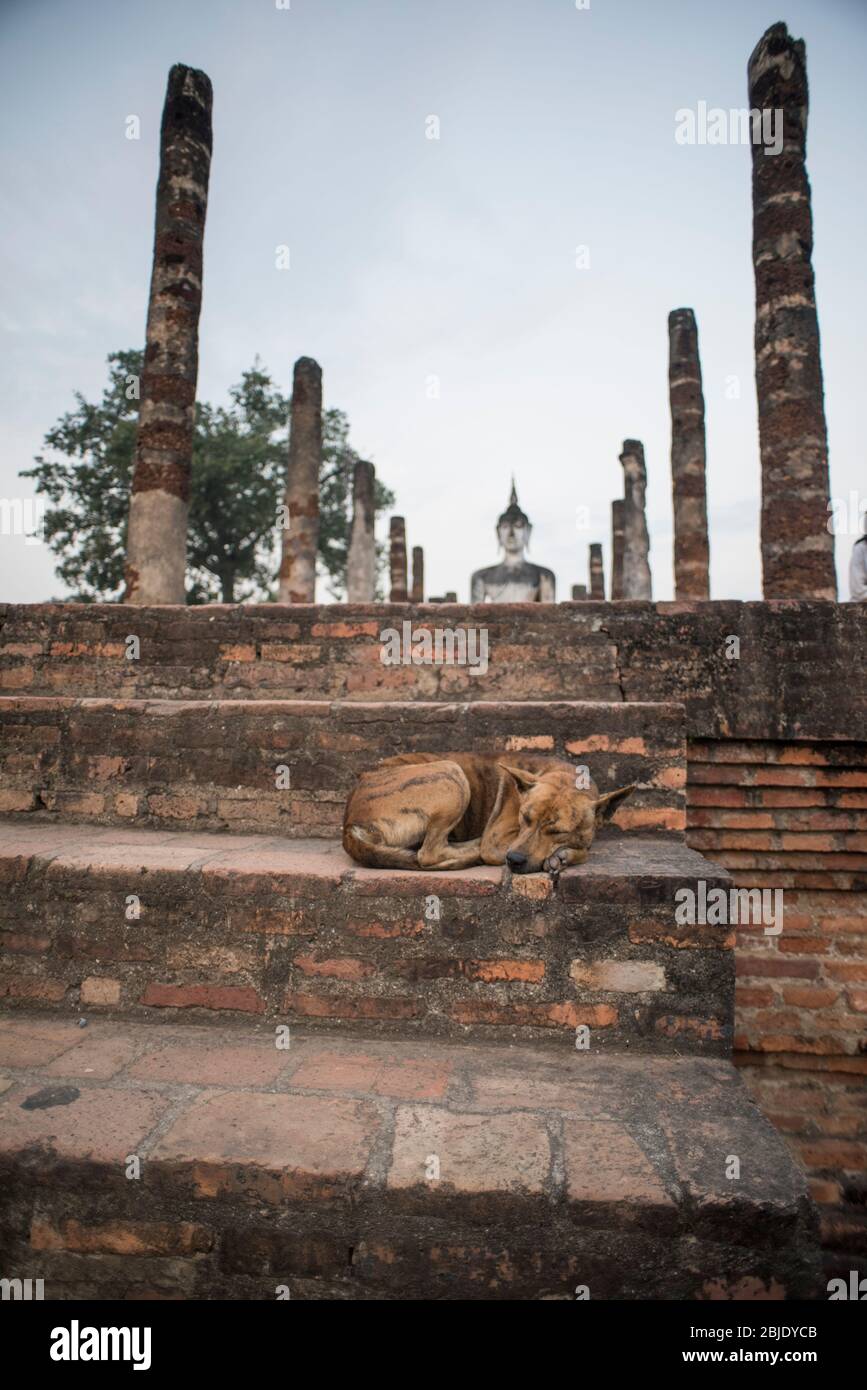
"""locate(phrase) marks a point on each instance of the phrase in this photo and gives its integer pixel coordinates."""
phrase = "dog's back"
(484, 773)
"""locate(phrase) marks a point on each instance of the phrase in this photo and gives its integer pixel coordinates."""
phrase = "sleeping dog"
(432, 811)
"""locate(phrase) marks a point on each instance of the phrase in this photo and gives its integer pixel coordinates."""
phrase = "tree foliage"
(240, 453)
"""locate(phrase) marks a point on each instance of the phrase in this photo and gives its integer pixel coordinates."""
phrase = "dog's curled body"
(437, 811)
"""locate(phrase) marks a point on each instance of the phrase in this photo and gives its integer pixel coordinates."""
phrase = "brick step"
(305, 651)
(139, 1160)
(230, 925)
(213, 765)
(797, 667)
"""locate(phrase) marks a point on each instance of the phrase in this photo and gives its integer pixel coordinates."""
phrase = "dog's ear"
(525, 780)
(608, 804)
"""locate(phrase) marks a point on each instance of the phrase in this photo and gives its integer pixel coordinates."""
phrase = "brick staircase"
(490, 1087)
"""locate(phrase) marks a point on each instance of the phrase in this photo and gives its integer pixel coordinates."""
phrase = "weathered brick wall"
(789, 697)
(799, 669)
(306, 1166)
(791, 816)
(239, 926)
(820, 1105)
(179, 764)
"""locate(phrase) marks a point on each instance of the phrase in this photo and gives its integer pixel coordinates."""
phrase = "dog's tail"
(362, 845)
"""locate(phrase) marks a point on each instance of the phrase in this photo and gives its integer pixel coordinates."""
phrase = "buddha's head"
(513, 527)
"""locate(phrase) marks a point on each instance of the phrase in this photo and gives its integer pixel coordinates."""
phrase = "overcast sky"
(413, 259)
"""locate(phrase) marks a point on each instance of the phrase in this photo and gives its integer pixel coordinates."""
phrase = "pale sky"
(454, 259)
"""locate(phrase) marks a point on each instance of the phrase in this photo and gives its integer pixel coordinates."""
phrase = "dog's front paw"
(556, 861)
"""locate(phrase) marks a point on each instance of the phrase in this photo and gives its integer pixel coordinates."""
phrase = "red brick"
(100, 1055)
(272, 1147)
(842, 924)
(32, 987)
(121, 1237)
(102, 1124)
(668, 933)
(351, 1006)
(789, 1042)
(403, 1078)
(824, 1191)
(804, 997)
(217, 1063)
(679, 1025)
(529, 971)
(203, 997)
(802, 946)
(12, 799)
(846, 970)
(616, 976)
(714, 797)
(504, 1153)
(753, 998)
(773, 966)
(24, 943)
(385, 930)
(239, 651)
(604, 1164)
(335, 967)
(27, 1043)
(363, 629)
(100, 990)
(832, 1153)
(566, 1015)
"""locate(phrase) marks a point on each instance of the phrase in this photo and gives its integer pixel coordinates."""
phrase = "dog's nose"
(516, 860)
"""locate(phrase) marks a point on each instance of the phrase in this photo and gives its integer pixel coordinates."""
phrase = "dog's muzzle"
(516, 861)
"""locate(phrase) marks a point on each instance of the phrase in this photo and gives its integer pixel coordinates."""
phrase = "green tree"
(239, 461)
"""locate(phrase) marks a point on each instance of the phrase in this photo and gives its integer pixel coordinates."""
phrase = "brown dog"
(429, 811)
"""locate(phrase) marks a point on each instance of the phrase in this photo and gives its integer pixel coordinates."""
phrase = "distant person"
(858, 568)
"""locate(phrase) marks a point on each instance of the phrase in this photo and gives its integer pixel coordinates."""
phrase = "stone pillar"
(597, 572)
(797, 548)
(297, 578)
(361, 559)
(417, 594)
(689, 494)
(636, 541)
(397, 560)
(579, 592)
(156, 543)
(617, 548)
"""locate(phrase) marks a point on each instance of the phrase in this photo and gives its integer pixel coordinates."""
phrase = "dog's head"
(553, 815)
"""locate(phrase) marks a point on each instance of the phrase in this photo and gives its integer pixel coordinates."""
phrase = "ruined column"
(617, 548)
(156, 542)
(397, 560)
(636, 541)
(797, 547)
(361, 559)
(689, 494)
(417, 594)
(597, 573)
(297, 577)
(579, 592)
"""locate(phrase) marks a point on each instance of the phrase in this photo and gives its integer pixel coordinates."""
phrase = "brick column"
(597, 572)
(617, 507)
(361, 559)
(156, 545)
(297, 577)
(397, 560)
(797, 548)
(688, 457)
(417, 574)
(579, 592)
(636, 541)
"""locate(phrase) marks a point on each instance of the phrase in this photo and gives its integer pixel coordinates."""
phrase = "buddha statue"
(515, 579)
